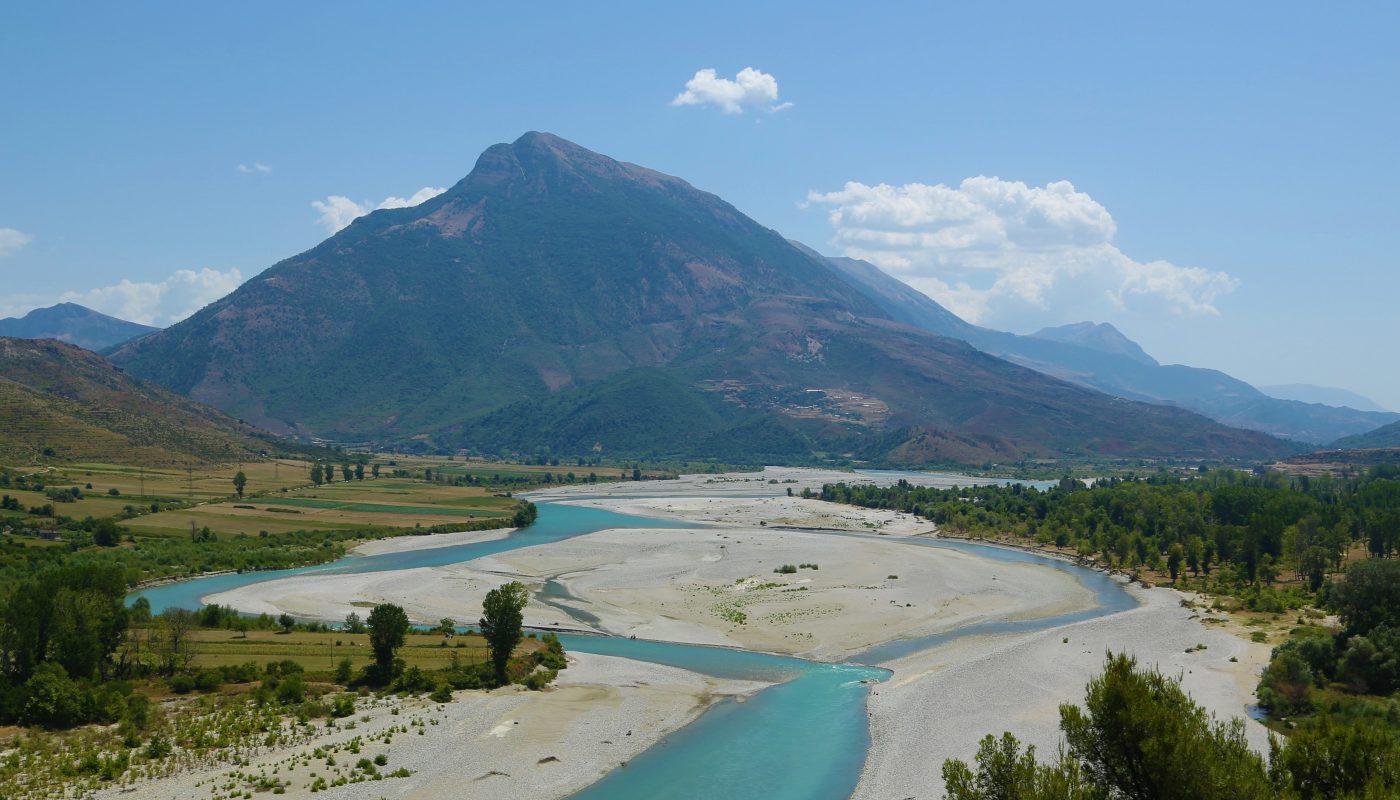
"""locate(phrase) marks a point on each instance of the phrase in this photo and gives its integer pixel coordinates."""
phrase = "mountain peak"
(1099, 336)
(75, 324)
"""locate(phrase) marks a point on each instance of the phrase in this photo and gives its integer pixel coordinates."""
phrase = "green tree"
(388, 628)
(1358, 758)
(317, 474)
(502, 624)
(1369, 596)
(239, 482)
(1005, 772)
(374, 470)
(1175, 555)
(106, 534)
(173, 642)
(1142, 735)
(52, 699)
(359, 472)
(353, 623)
(346, 472)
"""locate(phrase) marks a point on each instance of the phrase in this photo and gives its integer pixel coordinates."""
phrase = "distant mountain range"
(1102, 337)
(75, 324)
(1326, 395)
(1102, 358)
(62, 401)
(558, 301)
(1388, 436)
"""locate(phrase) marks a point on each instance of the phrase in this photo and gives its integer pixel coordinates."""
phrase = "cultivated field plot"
(383, 502)
(321, 652)
(140, 487)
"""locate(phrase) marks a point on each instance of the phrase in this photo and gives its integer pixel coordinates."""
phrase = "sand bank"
(502, 745)
(708, 586)
(940, 703)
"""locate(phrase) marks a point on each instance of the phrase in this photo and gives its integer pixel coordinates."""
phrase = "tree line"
(1227, 529)
(70, 651)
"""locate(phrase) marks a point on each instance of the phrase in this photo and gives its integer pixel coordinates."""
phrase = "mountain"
(556, 300)
(1385, 436)
(1325, 395)
(1102, 337)
(75, 324)
(1100, 357)
(71, 402)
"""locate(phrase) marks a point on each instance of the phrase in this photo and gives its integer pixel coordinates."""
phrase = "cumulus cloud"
(1011, 255)
(12, 241)
(750, 89)
(337, 211)
(159, 303)
(256, 166)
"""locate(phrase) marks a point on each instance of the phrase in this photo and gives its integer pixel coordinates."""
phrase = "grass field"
(321, 652)
(279, 496)
(338, 506)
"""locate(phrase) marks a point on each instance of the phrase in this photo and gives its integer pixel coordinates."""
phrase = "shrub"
(53, 700)
(291, 689)
(209, 680)
(414, 681)
(181, 683)
(344, 706)
(537, 680)
(786, 569)
(158, 748)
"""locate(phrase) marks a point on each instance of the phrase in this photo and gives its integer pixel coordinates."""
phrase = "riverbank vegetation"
(1270, 545)
(1139, 735)
(1270, 541)
(110, 696)
(1347, 675)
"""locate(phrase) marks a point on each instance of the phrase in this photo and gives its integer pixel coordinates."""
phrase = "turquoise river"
(804, 738)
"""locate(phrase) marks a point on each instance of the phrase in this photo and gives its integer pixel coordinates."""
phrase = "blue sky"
(1218, 180)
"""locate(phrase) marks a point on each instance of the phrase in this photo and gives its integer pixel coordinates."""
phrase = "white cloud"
(1010, 255)
(749, 89)
(337, 211)
(256, 166)
(159, 303)
(12, 241)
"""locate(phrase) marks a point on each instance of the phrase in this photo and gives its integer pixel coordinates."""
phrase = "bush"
(414, 681)
(786, 569)
(209, 680)
(344, 706)
(180, 683)
(539, 679)
(291, 689)
(241, 673)
(158, 748)
(53, 700)
(442, 694)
